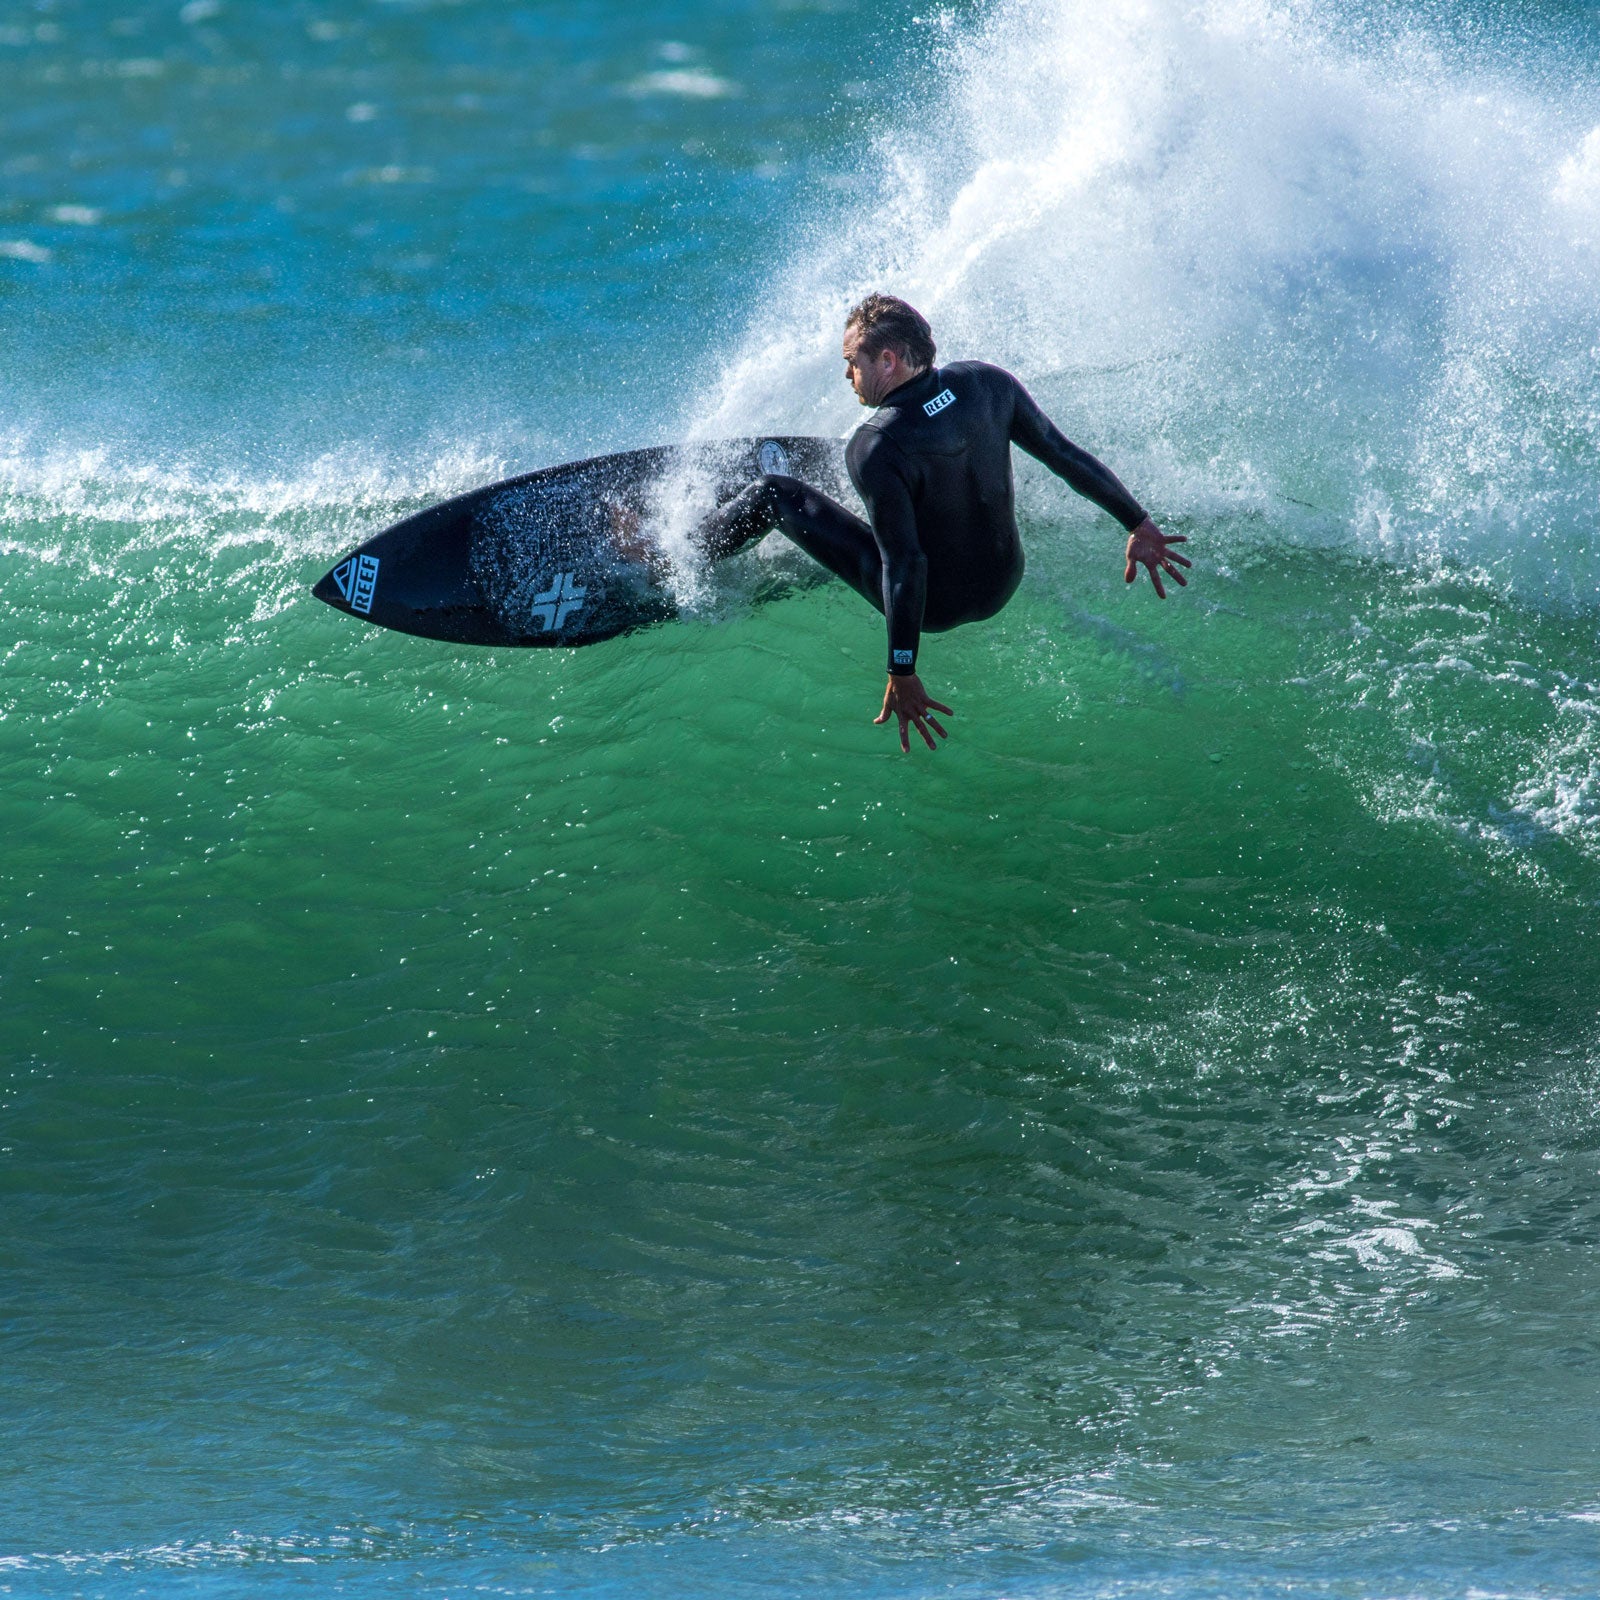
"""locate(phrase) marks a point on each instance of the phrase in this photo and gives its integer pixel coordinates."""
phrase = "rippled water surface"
(603, 1122)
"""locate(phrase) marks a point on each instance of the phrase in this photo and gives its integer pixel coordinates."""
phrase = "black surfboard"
(565, 556)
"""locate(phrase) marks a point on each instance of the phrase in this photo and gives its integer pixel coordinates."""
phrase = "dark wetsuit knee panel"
(828, 532)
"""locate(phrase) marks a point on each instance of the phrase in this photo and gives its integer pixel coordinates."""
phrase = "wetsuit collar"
(914, 390)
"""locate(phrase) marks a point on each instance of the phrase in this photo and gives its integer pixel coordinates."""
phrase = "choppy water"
(605, 1123)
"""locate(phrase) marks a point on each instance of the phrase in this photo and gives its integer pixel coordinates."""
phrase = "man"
(933, 468)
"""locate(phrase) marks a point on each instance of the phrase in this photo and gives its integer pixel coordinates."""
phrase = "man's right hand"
(906, 699)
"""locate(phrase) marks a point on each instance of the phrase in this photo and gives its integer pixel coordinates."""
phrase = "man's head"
(886, 344)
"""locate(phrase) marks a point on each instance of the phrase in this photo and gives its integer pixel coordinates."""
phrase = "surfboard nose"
(326, 589)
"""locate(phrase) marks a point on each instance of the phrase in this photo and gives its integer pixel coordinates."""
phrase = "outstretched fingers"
(1153, 550)
(909, 705)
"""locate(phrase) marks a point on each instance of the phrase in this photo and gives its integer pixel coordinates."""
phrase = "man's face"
(865, 372)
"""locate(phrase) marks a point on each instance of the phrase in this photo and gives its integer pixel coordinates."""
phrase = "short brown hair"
(886, 322)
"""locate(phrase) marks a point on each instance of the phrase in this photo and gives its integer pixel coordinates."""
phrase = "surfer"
(933, 467)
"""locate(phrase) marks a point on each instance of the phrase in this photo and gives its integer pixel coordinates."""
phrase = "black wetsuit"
(934, 469)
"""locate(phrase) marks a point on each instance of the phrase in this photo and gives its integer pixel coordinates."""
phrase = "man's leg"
(823, 528)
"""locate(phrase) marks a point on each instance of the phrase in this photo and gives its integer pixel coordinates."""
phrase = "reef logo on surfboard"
(558, 602)
(357, 579)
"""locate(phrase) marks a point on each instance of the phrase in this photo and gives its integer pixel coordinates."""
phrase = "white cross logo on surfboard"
(558, 602)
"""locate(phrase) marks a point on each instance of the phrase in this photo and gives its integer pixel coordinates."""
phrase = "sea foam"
(1294, 269)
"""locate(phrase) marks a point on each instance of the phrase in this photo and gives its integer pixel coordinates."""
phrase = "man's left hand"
(907, 699)
(1147, 543)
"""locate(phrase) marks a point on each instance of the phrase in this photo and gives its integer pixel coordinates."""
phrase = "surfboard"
(567, 555)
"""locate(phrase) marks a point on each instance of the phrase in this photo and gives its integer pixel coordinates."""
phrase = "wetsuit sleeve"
(880, 478)
(1044, 441)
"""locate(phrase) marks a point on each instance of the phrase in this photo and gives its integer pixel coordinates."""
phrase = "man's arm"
(876, 467)
(879, 477)
(1044, 441)
(1034, 432)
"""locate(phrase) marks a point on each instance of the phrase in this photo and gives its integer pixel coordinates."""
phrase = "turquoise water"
(604, 1123)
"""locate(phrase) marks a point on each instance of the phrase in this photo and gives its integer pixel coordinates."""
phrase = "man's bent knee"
(780, 491)
(754, 511)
